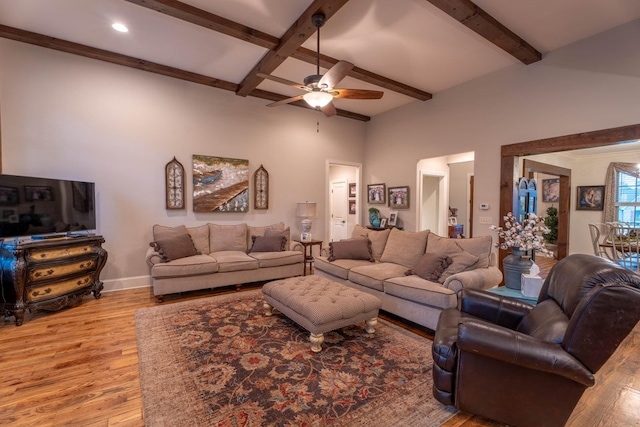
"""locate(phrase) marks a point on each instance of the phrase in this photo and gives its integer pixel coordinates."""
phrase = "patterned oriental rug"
(220, 362)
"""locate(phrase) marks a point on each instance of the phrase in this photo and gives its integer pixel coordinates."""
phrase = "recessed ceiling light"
(120, 27)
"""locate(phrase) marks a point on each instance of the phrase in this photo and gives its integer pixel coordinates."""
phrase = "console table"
(50, 274)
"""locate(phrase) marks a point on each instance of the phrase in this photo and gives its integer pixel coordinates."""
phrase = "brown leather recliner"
(528, 366)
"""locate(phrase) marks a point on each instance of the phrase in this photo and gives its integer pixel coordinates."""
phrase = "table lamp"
(306, 211)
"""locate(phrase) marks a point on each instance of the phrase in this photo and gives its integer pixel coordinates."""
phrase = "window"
(627, 198)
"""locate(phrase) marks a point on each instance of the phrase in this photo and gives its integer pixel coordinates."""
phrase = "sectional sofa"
(211, 255)
(415, 274)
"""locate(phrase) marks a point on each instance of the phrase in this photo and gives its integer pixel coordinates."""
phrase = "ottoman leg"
(316, 342)
(371, 325)
(268, 310)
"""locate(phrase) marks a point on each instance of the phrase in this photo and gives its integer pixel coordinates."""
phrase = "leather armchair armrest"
(152, 257)
(514, 348)
(507, 312)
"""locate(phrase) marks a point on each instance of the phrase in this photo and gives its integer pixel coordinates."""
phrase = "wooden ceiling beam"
(208, 20)
(293, 38)
(476, 19)
(140, 64)
(230, 28)
(307, 55)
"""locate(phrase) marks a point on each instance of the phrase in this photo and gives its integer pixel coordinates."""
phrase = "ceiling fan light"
(317, 99)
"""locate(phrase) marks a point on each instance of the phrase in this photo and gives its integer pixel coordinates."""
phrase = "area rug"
(220, 362)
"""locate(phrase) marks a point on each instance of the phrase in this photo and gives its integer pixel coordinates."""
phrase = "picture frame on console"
(393, 218)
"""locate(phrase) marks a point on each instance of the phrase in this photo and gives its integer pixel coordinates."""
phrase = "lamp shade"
(306, 210)
(317, 98)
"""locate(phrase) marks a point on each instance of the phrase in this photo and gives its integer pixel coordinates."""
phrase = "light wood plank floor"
(79, 367)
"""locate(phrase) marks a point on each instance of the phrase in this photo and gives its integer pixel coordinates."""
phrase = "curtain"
(610, 186)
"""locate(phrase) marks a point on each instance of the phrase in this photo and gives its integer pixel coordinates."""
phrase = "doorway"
(343, 201)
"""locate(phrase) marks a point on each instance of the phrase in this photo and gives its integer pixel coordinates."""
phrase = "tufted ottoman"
(320, 305)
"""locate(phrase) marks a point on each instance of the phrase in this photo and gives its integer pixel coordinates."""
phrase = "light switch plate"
(485, 220)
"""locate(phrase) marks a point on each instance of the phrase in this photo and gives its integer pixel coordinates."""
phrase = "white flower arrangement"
(525, 236)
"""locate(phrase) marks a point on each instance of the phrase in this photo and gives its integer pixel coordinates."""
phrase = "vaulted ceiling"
(409, 49)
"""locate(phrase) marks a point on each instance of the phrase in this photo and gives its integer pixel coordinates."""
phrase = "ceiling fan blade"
(329, 110)
(285, 101)
(335, 74)
(356, 93)
(282, 81)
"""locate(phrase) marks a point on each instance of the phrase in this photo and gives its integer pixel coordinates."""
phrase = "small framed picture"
(376, 193)
(383, 223)
(393, 218)
(551, 190)
(352, 190)
(590, 198)
(452, 220)
(399, 197)
(352, 207)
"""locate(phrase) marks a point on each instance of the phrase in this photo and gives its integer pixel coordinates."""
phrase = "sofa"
(211, 255)
(416, 275)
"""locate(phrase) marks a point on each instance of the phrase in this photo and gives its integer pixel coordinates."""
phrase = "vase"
(514, 266)
(373, 218)
(376, 222)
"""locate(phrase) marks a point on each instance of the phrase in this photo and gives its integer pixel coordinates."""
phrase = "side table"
(513, 293)
(308, 253)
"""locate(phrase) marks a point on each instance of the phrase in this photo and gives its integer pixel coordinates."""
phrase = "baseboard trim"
(126, 283)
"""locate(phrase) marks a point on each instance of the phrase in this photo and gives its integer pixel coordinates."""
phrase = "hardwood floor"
(79, 367)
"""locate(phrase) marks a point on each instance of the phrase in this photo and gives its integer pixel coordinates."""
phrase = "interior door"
(339, 205)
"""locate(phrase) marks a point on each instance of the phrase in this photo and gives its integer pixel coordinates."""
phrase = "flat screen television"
(42, 207)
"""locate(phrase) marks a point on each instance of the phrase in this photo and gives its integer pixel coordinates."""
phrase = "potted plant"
(551, 221)
(374, 217)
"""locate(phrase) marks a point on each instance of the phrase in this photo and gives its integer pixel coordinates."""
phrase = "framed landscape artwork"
(590, 198)
(376, 193)
(352, 207)
(399, 197)
(352, 190)
(220, 184)
(551, 190)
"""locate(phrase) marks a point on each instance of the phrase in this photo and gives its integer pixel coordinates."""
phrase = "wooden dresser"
(49, 274)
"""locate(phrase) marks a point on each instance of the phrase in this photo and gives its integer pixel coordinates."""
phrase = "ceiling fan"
(321, 88)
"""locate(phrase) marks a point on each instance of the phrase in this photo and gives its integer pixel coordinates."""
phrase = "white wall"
(65, 116)
(589, 85)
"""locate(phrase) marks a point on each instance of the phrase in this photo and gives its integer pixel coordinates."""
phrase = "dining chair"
(600, 237)
(625, 244)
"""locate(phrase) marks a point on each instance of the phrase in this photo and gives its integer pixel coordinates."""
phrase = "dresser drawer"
(52, 290)
(49, 254)
(52, 272)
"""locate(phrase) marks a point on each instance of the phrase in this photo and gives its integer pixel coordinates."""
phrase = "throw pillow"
(405, 247)
(351, 249)
(174, 247)
(282, 233)
(461, 261)
(268, 243)
(430, 266)
(228, 237)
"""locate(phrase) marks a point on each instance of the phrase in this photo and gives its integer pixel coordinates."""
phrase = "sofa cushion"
(357, 248)
(267, 243)
(184, 267)
(276, 259)
(479, 246)
(234, 261)
(199, 235)
(340, 267)
(462, 261)
(414, 288)
(372, 275)
(546, 322)
(261, 231)
(430, 266)
(404, 247)
(228, 237)
(174, 247)
(442, 245)
(378, 239)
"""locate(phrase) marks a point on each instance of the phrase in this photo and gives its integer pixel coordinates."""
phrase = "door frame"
(443, 199)
(510, 153)
(327, 193)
